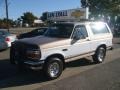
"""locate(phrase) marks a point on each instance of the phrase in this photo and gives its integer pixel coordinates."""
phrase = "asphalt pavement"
(104, 77)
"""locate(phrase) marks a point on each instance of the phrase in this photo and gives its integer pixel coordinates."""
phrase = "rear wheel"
(53, 68)
(100, 54)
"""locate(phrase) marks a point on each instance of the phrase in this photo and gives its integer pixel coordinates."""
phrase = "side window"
(80, 32)
(99, 28)
(1, 33)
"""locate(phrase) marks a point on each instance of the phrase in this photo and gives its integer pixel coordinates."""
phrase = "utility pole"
(85, 5)
(6, 5)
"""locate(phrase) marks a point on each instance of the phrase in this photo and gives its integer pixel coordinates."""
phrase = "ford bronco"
(61, 43)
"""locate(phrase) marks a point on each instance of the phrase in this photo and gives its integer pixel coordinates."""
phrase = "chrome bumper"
(110, 48)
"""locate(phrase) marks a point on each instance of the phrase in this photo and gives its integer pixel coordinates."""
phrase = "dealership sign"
(68, 15)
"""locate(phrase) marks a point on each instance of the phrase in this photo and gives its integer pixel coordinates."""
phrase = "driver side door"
(80, 43)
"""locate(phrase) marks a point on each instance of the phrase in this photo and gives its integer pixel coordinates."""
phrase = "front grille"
(19, 49)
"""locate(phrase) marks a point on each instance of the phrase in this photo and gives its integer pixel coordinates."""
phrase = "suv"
(62, 42)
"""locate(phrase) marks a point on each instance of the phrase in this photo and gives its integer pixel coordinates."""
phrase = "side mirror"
(76, 37)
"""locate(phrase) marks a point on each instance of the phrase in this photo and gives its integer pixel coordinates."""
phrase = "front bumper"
(110, 48)
(34, 65)
(30, 64)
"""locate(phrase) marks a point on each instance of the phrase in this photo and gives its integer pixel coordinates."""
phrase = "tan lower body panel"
(79, 57)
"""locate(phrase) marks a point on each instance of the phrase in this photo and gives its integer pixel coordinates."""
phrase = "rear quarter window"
(99, 28)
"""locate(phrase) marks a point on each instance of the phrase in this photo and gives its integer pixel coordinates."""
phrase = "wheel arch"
(57, 55)
(102, 45)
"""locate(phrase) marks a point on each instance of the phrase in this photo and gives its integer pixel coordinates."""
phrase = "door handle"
(87, 39)
(65, 50)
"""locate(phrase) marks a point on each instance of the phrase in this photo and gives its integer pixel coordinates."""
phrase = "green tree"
(3, 23)
(28, 18)
(44, 16)
(103, 7)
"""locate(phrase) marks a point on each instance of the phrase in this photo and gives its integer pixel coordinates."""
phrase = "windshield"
(59, 30)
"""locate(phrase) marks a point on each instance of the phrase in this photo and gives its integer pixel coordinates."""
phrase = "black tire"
(99, 55)
(53, 68)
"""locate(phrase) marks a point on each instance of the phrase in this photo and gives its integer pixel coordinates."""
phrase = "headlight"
(33, 54)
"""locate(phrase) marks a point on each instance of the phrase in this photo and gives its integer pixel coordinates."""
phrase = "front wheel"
(100, 54)
(53, 68)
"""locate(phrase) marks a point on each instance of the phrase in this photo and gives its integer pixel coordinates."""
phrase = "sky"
(37, 7)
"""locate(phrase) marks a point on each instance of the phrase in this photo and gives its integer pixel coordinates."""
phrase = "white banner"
(68, 15)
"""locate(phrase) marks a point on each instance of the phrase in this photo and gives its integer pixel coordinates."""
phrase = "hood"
(45, 42)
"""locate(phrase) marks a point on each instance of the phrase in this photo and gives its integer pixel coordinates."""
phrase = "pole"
(87, 12)
(85, 5)
(6, 4)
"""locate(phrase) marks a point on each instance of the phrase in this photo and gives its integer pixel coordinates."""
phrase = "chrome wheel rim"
(54, 69)
(101, 54)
